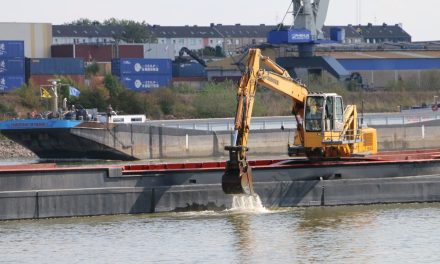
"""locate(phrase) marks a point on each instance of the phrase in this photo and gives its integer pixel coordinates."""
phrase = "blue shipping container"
(289, 36)
(12, 66)
(337, 34)
(191, 69)
(145, 82)
(56, 66)
(121, 67)
(9, 83)
(12, 49)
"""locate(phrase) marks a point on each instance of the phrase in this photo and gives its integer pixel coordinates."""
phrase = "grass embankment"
(215, 100)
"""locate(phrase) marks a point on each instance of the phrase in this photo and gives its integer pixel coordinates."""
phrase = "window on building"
(192, 42)
(210, 41)
(181, 41)
(174, 41)
(237, 42)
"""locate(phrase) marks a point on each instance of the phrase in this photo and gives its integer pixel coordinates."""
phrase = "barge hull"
(50, 191)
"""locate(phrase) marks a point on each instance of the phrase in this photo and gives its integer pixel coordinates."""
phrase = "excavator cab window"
(334, 113)
(339, 114)
(329, 113)
(314, 113)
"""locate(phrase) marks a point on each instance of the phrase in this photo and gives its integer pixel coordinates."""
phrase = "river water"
(399, 233)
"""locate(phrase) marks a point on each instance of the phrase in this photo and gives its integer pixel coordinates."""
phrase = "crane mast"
(310, 15)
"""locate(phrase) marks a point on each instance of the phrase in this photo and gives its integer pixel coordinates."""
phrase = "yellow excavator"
(325, 129)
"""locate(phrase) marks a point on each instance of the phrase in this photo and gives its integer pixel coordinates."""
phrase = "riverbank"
(9, 149)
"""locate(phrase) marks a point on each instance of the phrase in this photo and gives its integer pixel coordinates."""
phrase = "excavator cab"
(323, 112)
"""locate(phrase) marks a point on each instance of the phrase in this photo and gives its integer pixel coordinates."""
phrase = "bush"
(7, 111)
(92, 69)
(30, 96)
(94, 98)
(166, 100)
(113, 85)
(216, 100)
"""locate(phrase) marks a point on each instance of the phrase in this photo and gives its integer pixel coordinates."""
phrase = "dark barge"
(47, 190)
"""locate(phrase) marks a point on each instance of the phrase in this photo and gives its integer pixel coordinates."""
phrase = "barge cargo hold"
(46, 190)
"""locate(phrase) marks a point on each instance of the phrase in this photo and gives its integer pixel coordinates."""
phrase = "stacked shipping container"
(42, 70)
(143, 74)
(188, 69)
(106, 52)
(12, 65)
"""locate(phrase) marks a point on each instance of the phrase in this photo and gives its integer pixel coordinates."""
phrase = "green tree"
(84, 22)
(219, 51)
(132, 31)
(113, 85)
(206, 51)
(92, 69)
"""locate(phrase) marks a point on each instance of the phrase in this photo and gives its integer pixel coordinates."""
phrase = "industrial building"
(37, 37)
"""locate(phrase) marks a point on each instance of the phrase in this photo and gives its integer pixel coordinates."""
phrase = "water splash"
(247, 203)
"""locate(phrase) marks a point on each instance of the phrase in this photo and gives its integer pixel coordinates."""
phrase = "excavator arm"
(238, 174)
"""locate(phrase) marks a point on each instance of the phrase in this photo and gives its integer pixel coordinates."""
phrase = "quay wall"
(151, 142)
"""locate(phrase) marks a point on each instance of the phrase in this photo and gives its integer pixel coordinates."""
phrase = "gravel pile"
(9, 149)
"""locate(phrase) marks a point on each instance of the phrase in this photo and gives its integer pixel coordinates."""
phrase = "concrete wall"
(37, 37)
(150, 142)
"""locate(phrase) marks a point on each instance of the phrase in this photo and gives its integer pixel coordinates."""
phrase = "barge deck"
(48, 190)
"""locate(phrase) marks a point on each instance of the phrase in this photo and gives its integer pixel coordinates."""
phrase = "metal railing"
(288, 122)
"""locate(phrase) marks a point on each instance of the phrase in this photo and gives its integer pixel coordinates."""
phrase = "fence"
(289, 122)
